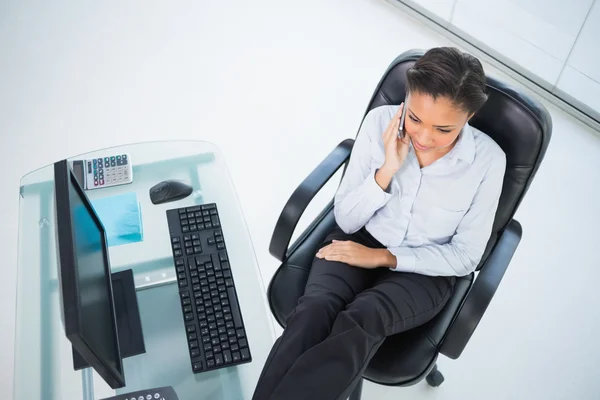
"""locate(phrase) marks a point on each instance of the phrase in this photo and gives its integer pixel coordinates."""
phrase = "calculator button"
(89, 167)
(102, 181)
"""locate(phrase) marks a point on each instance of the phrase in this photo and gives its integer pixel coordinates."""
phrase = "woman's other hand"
(356, 254)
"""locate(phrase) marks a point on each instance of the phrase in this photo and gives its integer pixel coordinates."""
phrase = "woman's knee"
(364, 314)
(319, 306)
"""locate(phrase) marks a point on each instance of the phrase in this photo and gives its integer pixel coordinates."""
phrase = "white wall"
(581, 76)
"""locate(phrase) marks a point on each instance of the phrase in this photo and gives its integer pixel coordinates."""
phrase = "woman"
(411, 214)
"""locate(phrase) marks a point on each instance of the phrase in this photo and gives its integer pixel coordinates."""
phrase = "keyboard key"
(189, 317)
(186, 301)
(235, 347)
(235, 311)
(225, 345)
(182, 283)
(240, 333)
(227, 357)
(227, 274)
(223, 256)
(220, 323)
(225, 265)
(215, 342)
(236, 357)
(195, 236)
(193, 344)
(243, 343)
(190, 328)
(231, 332)
(215, 221)
(223, 338)
(211, 241)
(195, 353)
(245, 354)
(207, 347)
(220, 246)
(229, 324)
(197, 366)
(210, 363)
(218, 359)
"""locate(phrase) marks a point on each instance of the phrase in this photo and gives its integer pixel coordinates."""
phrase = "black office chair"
(522, 127)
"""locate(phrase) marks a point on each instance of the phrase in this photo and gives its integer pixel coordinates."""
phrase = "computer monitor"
(88, 307)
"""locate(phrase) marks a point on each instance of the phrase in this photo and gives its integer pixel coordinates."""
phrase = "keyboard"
(214, 327)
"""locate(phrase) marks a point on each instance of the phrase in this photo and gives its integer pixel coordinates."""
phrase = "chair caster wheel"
(435, 378)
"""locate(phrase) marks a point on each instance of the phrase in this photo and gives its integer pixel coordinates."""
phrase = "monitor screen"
(89, 313)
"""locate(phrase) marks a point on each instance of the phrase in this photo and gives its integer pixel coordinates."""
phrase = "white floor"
(276, 85)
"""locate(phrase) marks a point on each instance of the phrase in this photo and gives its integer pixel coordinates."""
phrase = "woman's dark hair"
(448, 72)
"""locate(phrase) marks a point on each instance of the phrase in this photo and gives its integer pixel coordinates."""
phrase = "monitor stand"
(129, 324)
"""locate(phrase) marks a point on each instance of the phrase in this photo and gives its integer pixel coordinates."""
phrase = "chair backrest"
(518, 123)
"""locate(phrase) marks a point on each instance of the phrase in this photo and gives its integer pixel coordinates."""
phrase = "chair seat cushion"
(403, 359)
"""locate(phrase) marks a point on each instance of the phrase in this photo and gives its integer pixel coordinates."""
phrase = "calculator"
(104, 172)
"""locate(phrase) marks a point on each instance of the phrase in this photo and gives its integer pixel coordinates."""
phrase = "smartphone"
(401, 126)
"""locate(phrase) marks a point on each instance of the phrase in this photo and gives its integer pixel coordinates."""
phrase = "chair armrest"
(299, 200)
(481, 293)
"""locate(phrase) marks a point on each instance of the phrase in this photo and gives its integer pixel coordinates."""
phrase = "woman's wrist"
(384, 176)
(387, 259)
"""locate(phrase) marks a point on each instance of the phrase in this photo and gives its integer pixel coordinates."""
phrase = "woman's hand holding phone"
(396, 150)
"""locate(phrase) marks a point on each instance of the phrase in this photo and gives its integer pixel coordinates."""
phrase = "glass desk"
(43, 356)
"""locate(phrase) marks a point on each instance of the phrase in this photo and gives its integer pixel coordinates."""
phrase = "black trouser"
(341, 320)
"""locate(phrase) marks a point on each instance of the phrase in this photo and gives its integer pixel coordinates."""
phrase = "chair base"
(435, 377)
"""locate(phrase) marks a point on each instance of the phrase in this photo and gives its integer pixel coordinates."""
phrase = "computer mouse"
(170, 190)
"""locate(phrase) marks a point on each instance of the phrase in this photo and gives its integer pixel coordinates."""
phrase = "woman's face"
(433, 125)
